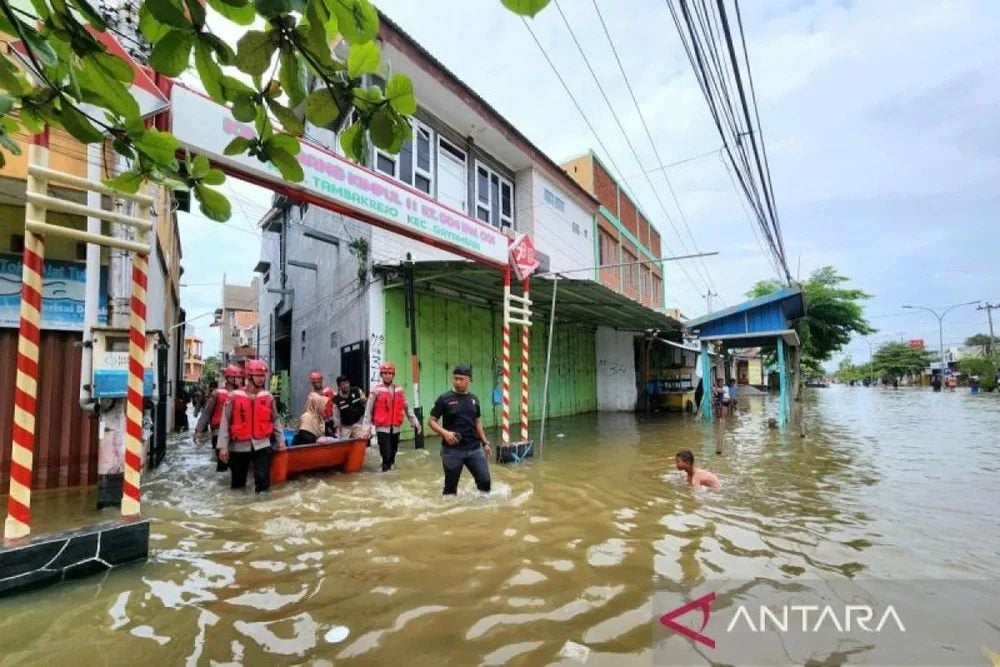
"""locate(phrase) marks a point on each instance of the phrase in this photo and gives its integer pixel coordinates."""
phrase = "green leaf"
(169, 12)
(224, 52)
(271, 8)
(6, 103)
(357, 20)
(238, 146)
(196, 10)
(354, 143)
(199, 167)
(235, 87)
(208, 71)
(255, 50)
(240, 13)
(285, 142)
(98, 85)
(128, 182)
(383, 130)
(244, 109)
(363, 59)
(149, 26)
(291, 76)
(525, 7)
(161, 147)
(399, 91)
(115, 67)
(41, 47)
(172, 53)
(214, 177)
(33, 123)
(321, 107)
(322, 26)
(374, 95)
(214, 205)
(7, 142)
(79, 126)
(92, 16)
(286, 163)
(11, 78)
(289, 121)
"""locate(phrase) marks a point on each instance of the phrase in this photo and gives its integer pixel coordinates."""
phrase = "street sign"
(916, 343)
(522, 257)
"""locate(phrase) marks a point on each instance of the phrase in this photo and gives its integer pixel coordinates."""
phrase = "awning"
(755, 339)
(583, 302)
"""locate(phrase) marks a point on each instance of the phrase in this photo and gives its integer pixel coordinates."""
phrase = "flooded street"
(563, 559)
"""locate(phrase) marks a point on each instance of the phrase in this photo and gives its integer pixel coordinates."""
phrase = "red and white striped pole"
(525, 340)
(18, 523)
(505, 378)
(136, 376)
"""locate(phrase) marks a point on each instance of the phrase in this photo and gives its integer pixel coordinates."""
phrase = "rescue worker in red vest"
(211, 416)
(250, 429)
(316, 379)
(385, 411)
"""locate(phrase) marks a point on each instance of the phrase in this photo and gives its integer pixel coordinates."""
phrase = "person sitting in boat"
(312, 426)
(316, 380)
(349, 410)
(695, 476)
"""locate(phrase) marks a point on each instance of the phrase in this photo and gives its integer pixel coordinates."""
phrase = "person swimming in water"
(695, 476)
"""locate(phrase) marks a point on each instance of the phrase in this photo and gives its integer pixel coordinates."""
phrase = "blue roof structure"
(755, 322)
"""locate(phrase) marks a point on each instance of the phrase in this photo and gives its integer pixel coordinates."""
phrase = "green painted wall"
(451, 331)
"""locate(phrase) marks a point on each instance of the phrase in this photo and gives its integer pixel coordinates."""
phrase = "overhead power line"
(707, 36)
(656, 153)
(597, 136)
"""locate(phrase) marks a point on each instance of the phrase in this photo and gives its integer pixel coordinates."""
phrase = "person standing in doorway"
(348, 410)
(250, 428)
(316, 379)
(385, 411)
(457, 418)
(211, 416)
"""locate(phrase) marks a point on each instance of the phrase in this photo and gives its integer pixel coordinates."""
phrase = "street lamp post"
(940, 319)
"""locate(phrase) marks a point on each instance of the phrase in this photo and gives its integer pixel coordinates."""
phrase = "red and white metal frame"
(18, 522)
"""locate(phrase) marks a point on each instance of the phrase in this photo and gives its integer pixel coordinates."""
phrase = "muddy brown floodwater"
(559, 564)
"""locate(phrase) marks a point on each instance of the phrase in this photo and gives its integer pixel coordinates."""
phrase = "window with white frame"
(554, 201)
(415, 163)
(453, 177)
(494, 198)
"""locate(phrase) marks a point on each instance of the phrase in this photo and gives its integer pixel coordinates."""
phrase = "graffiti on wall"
(376, 351)
(611, 368)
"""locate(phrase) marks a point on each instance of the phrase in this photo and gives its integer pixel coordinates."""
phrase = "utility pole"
(989, 307)
(940, 319)
(708, 298)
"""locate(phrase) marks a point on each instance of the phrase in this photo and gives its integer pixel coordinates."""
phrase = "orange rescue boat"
(325, 454)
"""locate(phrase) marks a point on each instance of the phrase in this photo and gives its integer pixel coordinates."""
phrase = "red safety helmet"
(315, 376)
(387, 367)
(232, 371)
(256, 367)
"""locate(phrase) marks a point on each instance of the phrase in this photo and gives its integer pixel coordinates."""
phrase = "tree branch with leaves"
(77, 85)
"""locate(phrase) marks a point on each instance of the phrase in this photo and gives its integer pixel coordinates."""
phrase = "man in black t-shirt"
(456, 417)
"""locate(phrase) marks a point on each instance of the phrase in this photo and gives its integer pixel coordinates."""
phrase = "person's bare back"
(695, 476)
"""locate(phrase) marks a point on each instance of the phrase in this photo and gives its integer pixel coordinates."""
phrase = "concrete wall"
(330, 306)
(616, 372)
(568, 247)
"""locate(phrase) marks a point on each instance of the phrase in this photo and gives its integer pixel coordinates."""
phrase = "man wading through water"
(463, 442)
(385, 410)
(249, 429)
(211, 416)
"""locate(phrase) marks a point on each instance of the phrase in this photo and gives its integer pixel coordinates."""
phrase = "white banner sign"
(207, 128)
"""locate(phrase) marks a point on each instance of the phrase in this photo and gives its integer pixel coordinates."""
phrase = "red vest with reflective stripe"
(220, 405)
(389, 404)
(328, 410)
(252, 417)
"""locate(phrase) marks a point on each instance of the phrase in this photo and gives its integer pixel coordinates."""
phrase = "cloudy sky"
(880, 119)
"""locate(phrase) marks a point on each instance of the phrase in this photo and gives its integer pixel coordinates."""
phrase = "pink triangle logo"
(705, 604)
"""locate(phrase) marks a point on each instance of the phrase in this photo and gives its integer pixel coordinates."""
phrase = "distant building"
(237, 320)
(194, 364)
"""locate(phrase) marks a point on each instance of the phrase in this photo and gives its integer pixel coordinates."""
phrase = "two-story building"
(334, 290)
